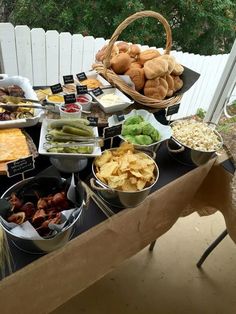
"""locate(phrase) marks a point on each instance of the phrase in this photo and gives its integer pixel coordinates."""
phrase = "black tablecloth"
(169, 171)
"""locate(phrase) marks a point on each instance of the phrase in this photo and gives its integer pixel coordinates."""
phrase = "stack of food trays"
(109, 98)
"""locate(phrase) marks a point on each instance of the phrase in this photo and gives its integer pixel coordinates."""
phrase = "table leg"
(151, 247)
(211, 248)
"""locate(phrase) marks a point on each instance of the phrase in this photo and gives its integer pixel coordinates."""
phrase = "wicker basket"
(114, 79)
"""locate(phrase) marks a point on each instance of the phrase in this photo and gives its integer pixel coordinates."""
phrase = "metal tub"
(44, 245)
(121, 198)
(187, 155)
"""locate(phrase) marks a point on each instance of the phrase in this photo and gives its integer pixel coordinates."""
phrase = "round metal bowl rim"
(47, 239)
(200, 151)
(131, 192)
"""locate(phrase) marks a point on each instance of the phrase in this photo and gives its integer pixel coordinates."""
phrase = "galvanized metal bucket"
(44, 245)
(187, 155)
(117, 197)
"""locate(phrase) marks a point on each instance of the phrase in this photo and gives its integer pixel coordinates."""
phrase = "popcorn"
(196, 135)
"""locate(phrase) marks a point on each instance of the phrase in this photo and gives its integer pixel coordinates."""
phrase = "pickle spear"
(59, 123)
(76, 131)
(72, 150)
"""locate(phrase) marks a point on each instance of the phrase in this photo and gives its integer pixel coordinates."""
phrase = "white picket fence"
(44, 57)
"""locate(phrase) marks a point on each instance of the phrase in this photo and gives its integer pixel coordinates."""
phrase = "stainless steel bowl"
(187, 155)
(44, 245)
(122, 198)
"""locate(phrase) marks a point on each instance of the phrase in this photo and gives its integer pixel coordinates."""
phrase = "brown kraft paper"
(53, 279)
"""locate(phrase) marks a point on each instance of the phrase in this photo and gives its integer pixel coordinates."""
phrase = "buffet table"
(40, 284)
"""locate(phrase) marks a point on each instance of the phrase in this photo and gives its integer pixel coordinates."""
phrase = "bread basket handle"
(131, 19)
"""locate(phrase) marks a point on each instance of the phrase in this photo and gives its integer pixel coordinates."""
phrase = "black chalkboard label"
(97, 91)
(93, 121)
(120, 116)
(70, 98)
(172, 109)
(68, 79)
(57, 88)
(20, 166)
(81, 89)
(112, 131)
(81, 76)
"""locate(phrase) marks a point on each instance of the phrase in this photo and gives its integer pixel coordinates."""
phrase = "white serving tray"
(164, 130)
(42, 141)
(95, 75)
(123, 105)
(24, 83)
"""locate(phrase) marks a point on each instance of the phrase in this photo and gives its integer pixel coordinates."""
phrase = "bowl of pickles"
(67, 141)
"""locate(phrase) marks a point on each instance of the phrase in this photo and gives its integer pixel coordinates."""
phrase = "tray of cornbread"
(14, 144)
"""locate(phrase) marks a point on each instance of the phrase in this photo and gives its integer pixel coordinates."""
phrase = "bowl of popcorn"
(124, 176)
(193, 142)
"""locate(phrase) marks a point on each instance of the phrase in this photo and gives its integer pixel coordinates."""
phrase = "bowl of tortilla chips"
(124, 176)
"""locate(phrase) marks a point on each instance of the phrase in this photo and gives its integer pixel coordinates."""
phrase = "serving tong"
(79, 142)
(98, 201)
(75, 138)
(15, 102)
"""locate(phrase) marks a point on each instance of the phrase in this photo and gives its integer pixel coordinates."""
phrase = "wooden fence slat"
(202, 82)
(8, 60)
(88, 53)
(190, 102)
(52, 57)
(185, 102)
(38, 57)
(8, 49)
(144, 47)
(45, 57)
(188, 99)
(99, 43)
(209, 82)
(77, 54)
(216, 70)
(23, 48)
(64, 55)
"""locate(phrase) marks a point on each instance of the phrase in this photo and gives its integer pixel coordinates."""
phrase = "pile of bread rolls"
(154, 75)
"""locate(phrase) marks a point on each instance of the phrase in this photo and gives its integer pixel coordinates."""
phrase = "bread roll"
(134, 51)
(170, 60)
(171, 85)
(100, 55)
(178, 69)
(156, 88)
(146, 55)
(137, 76)
(178, 83)
(155, 68)
(133, 59)
(120, 63)
(135, 64)
(123, 46)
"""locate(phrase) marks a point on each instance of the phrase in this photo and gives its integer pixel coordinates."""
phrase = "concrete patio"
(167, 280)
